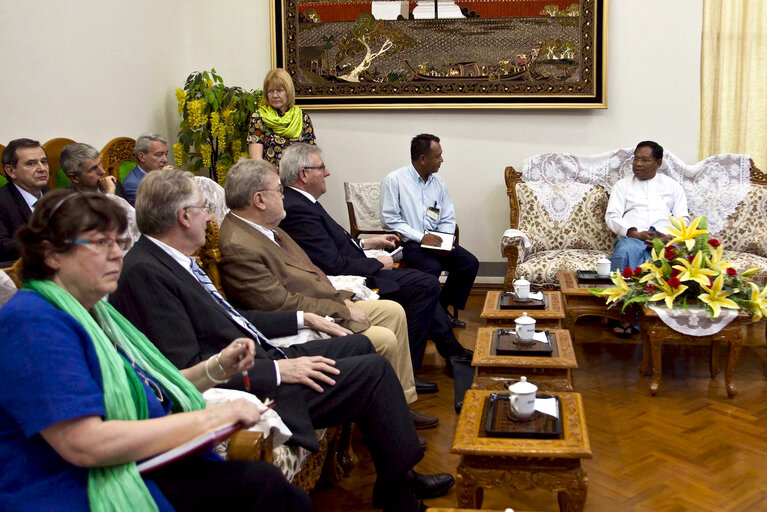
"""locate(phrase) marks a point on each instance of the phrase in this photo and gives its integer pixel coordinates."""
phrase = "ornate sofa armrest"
(515, 247)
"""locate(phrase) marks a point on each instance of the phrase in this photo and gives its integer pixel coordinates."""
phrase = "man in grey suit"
(315, 385)
(26, 167)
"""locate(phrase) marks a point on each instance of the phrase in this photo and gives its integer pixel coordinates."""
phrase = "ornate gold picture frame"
(443, 53)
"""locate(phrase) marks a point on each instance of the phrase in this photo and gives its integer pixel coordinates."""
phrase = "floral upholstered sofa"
(557, 206)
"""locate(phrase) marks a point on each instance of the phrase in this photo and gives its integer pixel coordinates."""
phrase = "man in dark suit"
(82, 165)
(334, 251)
(26, 167)
(315, 385)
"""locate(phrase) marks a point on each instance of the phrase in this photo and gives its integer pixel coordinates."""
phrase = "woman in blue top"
(86, 395)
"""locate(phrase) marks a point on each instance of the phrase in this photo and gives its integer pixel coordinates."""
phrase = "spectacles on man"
(280, 190)
(103, 244)
(205, 206)
(320, 167)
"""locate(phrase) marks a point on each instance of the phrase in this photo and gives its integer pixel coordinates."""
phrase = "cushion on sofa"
(585, 229)
(747, 227)
(542, 267)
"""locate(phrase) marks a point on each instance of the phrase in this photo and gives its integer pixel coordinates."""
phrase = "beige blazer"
(256, 273)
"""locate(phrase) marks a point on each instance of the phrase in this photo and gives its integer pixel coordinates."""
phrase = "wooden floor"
(690, 448)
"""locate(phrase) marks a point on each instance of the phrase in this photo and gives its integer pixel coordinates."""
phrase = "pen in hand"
(245, 376)
(268, 404)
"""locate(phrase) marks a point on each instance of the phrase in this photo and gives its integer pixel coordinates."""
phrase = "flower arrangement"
(691, 266)
(214, 123)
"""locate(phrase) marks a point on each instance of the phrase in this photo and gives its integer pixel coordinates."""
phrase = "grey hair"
(142, 143)
(159, 197)
(295, 157)
(244, 179)
(74, 156)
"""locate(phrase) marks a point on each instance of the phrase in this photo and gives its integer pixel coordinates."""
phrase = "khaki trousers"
(388, 334)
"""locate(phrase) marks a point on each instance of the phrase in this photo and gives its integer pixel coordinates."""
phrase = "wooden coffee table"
(579, 301)
(550, 373)
(521, 464)
(551, 317)
(654, 333)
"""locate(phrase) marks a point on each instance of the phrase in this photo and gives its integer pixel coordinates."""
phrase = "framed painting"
(443, 53)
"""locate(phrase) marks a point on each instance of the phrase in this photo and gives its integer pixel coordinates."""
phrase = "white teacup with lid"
(522, 398)
(522, 289)
(525, 328)
(603, 267)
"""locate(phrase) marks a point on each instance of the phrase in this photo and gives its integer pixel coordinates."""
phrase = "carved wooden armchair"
(335, 458)
(117, 157)
(57, 178)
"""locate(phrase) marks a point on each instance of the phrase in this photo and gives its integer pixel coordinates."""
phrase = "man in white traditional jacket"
(640, 206)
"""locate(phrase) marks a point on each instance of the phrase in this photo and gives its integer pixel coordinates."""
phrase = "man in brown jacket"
(263, 268)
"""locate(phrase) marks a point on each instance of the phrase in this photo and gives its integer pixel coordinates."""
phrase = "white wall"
(81, 69)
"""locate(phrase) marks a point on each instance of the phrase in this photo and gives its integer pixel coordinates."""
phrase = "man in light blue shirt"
(152, 154)
(415, 203)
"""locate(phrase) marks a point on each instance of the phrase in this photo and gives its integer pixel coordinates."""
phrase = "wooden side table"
(551, 317)
(654, 333)
(521, 464)
(551, 373)
(579, 301)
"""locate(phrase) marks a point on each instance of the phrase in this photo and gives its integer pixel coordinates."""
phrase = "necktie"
(301, 257)
(235, 315)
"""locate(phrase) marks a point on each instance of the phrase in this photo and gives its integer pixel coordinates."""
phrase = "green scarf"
(117, 488)
(288, 125)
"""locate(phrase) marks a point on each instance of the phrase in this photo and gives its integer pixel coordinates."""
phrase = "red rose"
(710, 281)
(638, 271)
(675, 272)
(674, 282)
(649, 288)
(731, 271)
(670, 253)
(627, 272)
(690, 257)
(714, 243)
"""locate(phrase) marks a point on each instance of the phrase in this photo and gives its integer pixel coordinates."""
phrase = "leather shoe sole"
(431, 486)
(421, 386)
(422, 420)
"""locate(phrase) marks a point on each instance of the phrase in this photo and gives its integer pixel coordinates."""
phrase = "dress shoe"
(421, 386)
(465, 356)
(431, 486)
(423, 420)
(454, 322)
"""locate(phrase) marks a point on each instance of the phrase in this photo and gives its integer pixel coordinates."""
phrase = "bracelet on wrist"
(207, 372)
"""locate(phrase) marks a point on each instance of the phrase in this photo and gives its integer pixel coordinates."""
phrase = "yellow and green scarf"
(288, 125)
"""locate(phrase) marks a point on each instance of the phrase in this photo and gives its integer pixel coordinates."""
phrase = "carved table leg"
(714, 363)
(736, 343)
(645, 336)
(470, 494)
(656, 344)
(573, 499)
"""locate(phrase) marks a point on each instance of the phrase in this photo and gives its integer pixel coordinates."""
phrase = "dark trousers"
(368, 393)
(418, 294)
(195, 484)
(460, 264)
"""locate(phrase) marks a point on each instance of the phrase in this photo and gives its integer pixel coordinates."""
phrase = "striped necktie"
(235, 315)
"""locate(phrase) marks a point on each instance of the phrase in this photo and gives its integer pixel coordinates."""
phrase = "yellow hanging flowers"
(179, 154)
(196, 110)
(205, 152)
(180, 99)
(684, 233)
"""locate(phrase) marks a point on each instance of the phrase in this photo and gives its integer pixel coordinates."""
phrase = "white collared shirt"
(29, 198)
(642, 204)
(305, 194)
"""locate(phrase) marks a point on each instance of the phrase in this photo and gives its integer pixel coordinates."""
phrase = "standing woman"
(85, 395)
(277, 121)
